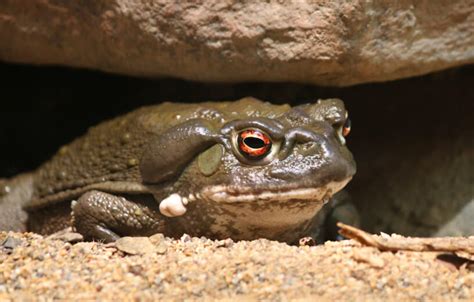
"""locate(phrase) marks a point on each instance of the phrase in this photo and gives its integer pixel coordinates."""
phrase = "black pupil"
(254, 143)
(347, 124)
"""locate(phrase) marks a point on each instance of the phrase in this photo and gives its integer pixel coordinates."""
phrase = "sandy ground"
(33, 267)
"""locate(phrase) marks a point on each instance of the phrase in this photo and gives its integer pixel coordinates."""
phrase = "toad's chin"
(279, 215)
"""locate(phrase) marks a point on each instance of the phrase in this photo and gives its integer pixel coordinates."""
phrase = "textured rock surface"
(35, 268)
(323, 42)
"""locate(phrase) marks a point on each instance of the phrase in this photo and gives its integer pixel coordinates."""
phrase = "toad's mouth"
(175, 204)
(225, 194)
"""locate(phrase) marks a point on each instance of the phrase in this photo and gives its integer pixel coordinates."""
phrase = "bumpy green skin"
(118, 172)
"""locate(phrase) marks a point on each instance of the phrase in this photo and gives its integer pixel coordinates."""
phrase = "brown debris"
(397, 242)
(307, 241)
(368, 256)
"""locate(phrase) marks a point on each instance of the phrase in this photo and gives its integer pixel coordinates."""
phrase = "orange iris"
(254, 143)
(346, 129)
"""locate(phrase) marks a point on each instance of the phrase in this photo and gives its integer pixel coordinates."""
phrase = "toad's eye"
(346, 128)
(254, 144)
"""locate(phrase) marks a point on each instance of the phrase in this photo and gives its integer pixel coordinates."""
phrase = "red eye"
(254, 143)
(346, 128)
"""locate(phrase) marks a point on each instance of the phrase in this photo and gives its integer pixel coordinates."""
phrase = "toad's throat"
(224, 194)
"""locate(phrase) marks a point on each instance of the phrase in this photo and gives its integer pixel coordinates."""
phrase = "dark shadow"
(412, 139)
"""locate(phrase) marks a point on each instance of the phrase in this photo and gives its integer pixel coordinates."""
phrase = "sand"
(33, 267)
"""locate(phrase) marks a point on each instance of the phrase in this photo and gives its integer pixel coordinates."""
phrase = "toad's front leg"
(106, 217)
(339, 209)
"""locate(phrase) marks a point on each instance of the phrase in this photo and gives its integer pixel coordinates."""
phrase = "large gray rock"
(321, 42)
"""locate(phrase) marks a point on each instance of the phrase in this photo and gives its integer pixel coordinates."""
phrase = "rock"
(18, 188)
(135, 245)
(185, 238)
(419, 182)
(320, 42)
(10, 243)
(67, 235)
(227, 243)
(84, 248)
(158, 240)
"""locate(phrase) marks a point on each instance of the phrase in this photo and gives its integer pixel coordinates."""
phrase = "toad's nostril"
(303, 139)
(308, 146)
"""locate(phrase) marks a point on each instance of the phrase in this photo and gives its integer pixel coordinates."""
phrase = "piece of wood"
(397, 242)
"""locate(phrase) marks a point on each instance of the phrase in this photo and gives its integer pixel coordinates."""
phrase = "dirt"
(33, 267)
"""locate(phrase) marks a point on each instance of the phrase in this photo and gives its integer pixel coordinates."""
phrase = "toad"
(245, 169)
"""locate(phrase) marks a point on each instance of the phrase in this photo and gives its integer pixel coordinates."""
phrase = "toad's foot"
(106, 217)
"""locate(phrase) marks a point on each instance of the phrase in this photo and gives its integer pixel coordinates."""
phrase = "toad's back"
(111, 151)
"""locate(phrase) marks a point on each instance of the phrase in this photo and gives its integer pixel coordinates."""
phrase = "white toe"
(172, 206)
